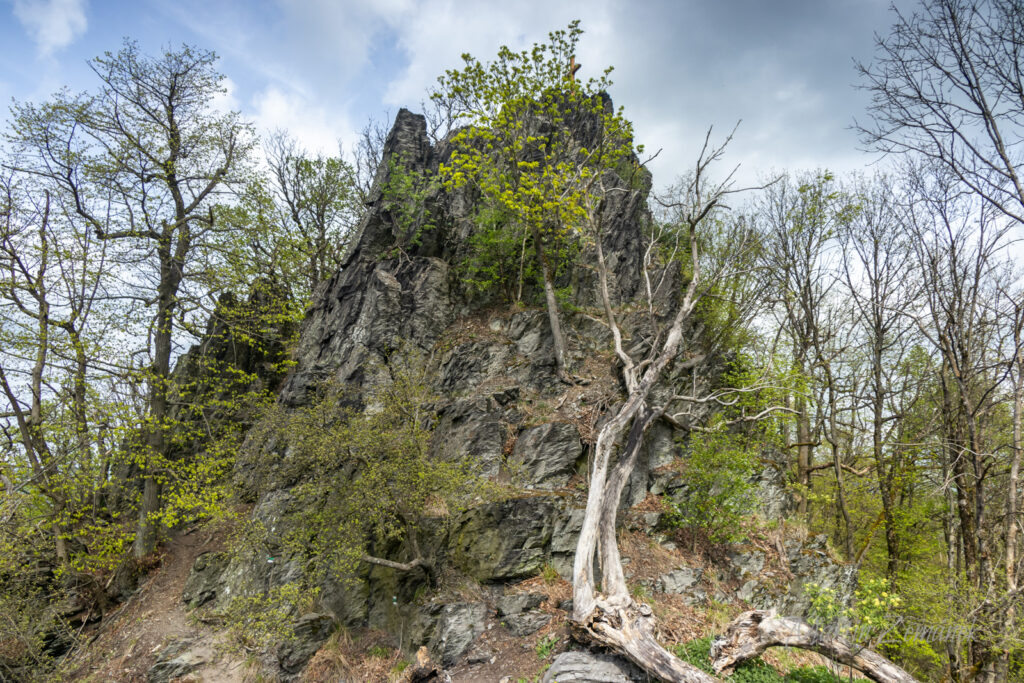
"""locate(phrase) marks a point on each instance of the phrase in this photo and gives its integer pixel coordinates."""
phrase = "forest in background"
(872, 323)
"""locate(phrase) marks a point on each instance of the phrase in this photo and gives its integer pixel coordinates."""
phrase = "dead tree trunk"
(611, 618)
(751, 633)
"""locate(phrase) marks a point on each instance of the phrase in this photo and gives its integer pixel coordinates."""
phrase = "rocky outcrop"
(309, 633)
(506, 540)
(205, 579)
(500, 406)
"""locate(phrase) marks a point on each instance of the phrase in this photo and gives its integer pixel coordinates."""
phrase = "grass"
(546, 646)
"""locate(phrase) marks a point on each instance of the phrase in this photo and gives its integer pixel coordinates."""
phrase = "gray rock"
(503, 540)
(588, 667)
(774, 496)
(568, 523)
(368, 310)
(747, 564)
(680, 581)
(205, 579)
(176, 660)
(526, 623)
(547, 454)
(747, 591)
(309, 634)
(519, 602)
(468, 428)
(459, 625)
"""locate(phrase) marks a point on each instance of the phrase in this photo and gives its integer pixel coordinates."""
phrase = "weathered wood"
(629, 631)
(751, 633)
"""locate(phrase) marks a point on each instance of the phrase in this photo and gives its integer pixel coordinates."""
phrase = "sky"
(321, 68)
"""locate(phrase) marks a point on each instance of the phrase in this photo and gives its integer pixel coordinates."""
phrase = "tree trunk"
(551, 303)
(155, 439)
(751, 633)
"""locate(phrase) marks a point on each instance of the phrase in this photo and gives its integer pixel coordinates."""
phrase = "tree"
(611, 618)
(959, 241)
(142, 161)
(876, 246)
(523, 152)
(802, 217)
(947, 85)
(317, 197)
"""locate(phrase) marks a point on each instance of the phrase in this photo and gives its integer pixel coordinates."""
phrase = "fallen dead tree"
(751, 633)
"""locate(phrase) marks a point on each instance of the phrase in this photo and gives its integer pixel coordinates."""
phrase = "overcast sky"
(322, 68)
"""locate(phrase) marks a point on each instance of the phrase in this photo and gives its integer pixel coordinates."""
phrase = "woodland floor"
(128, 641)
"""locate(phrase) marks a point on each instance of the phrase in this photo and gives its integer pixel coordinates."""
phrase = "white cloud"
(435, 33)
(312, 126)
(226, 101)
(52, 24)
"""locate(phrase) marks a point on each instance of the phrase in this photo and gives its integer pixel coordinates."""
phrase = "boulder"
(680, 581)
(178, 659)
(459, 625)
(588, 667)
(205, 579)
(747, 564)
(518, 602)
(526, 623)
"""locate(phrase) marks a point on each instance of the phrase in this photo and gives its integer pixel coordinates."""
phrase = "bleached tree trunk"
(611, 618)
(751, 633)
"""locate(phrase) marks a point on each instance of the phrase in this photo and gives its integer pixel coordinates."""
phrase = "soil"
(128, 641)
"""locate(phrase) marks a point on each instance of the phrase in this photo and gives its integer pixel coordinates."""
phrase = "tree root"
(751, 633)
(629, 631)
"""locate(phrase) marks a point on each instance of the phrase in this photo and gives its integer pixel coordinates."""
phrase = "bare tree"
(877, 248)
(947, 84)
(959, 242)
(318, 199)
(802, 216)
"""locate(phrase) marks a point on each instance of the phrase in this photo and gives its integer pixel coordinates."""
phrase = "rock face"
(309, 634)
(547, 454)
(501, 407)
(205, 579)
(504, 540)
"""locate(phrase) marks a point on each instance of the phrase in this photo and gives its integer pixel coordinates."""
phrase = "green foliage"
(367, 476)
(404, 199)
(871, 614)
(263, 620)
(546, 646)
(379, 651)
(497, 257)
(718, 468)
(536, 182)
(550, 574)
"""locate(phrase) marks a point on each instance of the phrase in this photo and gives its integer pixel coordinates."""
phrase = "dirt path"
(128, 642)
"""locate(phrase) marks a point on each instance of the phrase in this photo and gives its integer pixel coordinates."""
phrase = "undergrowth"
(698, 653)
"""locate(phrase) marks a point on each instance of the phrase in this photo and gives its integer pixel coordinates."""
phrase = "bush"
(718, 474)
(366, 475)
